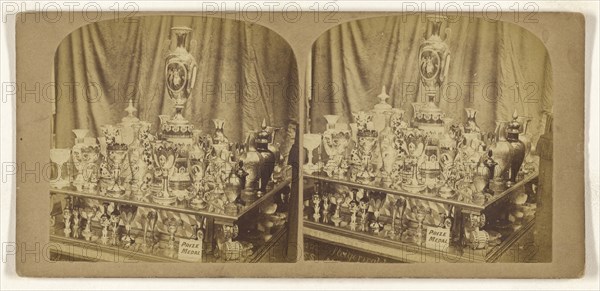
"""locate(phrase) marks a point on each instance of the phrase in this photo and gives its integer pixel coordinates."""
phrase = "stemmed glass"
(128, 213)
(376, 201)
(422, 212)
(353, 207)
(316, 200)
(397, 205)
(89, 213)
(363, 205)
(59, 157)
(311, 142)
(172, 224)
(67, 214)
(339, 199)
(149, 225)
(115, 218)
(105, 223)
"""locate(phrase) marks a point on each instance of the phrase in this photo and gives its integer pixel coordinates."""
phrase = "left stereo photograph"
(172, 141)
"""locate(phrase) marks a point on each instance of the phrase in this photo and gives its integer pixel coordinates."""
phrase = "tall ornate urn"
(434, 60)
(434, 55)
(180, 76)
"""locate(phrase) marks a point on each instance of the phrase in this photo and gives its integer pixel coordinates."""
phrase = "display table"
(326, 241)
(256, 242)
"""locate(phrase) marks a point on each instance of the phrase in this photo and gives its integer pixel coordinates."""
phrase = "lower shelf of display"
(463, 205)
(79, 249)
(408, 252)
(178, 209)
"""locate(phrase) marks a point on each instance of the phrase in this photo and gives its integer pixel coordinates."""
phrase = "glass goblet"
(172, 224)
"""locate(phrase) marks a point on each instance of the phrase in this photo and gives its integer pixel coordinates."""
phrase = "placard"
(437, 238)
(190, 250)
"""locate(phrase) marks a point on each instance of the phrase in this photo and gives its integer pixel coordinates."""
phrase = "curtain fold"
(495, 67)
(246, 73)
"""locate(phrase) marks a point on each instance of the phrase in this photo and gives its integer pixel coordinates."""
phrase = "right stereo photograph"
(428, 139)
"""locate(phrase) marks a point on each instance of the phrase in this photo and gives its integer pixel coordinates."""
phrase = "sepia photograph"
(428, 138)
(318, 144)
(171, 142)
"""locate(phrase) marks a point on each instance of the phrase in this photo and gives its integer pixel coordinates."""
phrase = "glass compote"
(164, 155)
(311, 142)
(328, 143)
(77, 156)
(91, 154)
(116, 156)
(59, 157)
(416, 140)
(341, 141)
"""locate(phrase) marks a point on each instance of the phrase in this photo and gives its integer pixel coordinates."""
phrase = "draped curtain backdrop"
(495, 67)
(246, 73)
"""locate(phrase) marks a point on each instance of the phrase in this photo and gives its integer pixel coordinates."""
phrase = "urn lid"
(514, 127)
(263, 135)
(428, 112)
(382, 105)
(130, 118)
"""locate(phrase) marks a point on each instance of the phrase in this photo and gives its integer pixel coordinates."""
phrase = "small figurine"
(104, 222)
(490, 164)
(342, 169)
(363, 205)
(67, 217)
(316, 200)
(76, 222)
(326, 208)
(474, 236)
(354, 210)
(339, 199)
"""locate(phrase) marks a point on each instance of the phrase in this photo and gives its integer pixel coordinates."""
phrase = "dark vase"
(518, 149)
(502, 153)
(269, 159)
(252, 165)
